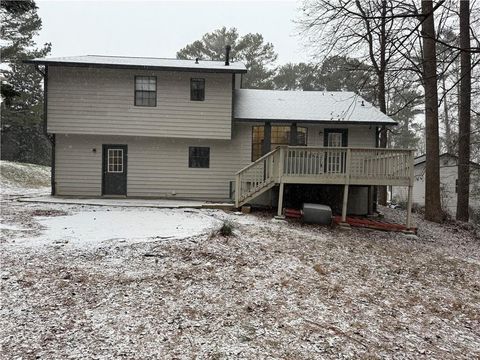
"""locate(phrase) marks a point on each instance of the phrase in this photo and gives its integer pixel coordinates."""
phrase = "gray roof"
(142, 63)
(306, 106)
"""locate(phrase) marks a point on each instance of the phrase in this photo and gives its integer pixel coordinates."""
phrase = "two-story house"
(150, 127)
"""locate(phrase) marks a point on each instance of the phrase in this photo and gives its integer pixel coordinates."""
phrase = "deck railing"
(257, 176)
(325, 165)
(363, 166)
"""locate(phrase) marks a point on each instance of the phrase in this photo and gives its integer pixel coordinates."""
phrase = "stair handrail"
(240, 173)
(260, 159)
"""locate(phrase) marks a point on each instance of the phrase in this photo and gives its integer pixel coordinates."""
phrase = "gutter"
(233, 104)
(50, 137)
(138, 67)
(310, 121)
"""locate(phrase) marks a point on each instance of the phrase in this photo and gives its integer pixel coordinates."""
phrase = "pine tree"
(22, 92)
(465, 106)
(433, 209)
(251, 49)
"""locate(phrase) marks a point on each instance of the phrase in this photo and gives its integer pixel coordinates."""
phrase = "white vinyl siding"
(102, 102)
(358, 135)
(448, 177)
(78, 168)
(158, 167)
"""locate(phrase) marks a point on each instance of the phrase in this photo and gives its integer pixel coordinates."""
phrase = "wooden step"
(253, 195)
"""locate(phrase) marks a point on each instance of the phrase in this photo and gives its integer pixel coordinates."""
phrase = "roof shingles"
(142, 62)
(307, 106)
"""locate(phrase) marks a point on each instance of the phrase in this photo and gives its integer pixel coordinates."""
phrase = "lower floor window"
(280, 136)
(199, 157)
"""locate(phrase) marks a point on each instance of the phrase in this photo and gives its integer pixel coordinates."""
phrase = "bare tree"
(464, 114)
(396, 37)
(367, 29)
(433, 208)
(448, 73)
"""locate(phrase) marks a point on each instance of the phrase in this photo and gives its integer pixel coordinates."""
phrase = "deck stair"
(256, 178)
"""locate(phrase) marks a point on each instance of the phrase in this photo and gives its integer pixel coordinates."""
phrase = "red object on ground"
(358, 221)
(293, 213)
(374, 224)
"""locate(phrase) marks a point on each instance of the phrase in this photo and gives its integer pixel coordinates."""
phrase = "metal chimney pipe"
(227, 55)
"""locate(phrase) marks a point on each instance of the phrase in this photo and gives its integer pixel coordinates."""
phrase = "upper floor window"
(145, 91)
(197, 89)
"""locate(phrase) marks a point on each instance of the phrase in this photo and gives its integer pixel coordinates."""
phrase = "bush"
(226, 229)
(475, 215)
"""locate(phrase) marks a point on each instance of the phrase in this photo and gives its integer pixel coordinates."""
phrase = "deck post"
(409, 208)
(347, 183)
(345, 203)
(237, 190)
(281, 163)
(410, 189)
(280, 200)
(280, 180)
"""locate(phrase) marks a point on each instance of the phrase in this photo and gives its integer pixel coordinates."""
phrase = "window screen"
(197, 89)
(199, 157)
(145, 91)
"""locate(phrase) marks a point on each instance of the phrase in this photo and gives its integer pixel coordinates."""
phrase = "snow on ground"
(91, 228)
(121, 286)
(19, 179)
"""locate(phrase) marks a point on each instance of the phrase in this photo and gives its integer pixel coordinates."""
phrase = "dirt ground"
(272, 290)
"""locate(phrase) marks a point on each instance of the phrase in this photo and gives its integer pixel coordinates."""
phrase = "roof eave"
(139, 67)
(346, 122)
(472, 163)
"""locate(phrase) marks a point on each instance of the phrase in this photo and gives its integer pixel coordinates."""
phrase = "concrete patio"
(122, 202)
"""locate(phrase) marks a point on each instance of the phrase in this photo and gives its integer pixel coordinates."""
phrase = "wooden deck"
(325, 165)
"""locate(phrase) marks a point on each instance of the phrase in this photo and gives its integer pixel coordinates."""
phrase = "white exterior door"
(335, 159)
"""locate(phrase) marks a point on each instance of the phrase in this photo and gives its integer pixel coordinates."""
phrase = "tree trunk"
(382, 102)
(382, 190)
(448, 127)
(433, 209)
(464, 114)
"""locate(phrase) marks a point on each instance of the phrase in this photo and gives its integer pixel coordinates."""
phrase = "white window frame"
(145, 84)
(117, 167)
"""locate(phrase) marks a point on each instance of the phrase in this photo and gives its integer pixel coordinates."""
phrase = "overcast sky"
(161, 28)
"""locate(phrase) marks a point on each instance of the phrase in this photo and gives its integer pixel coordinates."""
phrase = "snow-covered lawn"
(18, 179)
(99, 227)
(80, 281)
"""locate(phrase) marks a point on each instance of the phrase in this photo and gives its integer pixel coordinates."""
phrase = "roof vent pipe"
(227, 55)
(196, 61)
